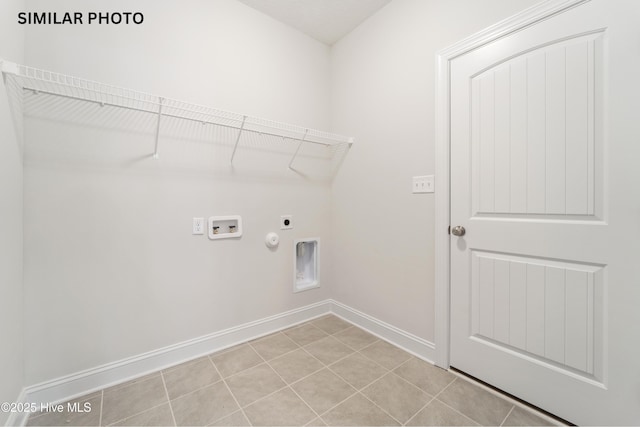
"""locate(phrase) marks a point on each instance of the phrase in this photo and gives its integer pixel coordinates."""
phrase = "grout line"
(507, 416)
(202, 387)
(304, 401)
(455, 410)
(407, 361)
(266, 395)
(231, 393)
(381, 408)
(451, 407)
(184, 364)
(288, 385)
(345, 380)
(337, 404)
(362, 348)
(239, 372)
(324, 366)
(391, 372)
(310, 323)
(419, 410)
(375, 342)
(408, 382)
(356, 390)
(349, 355)
(164, 384)
(306, 376)
(444, 388)
(277, 357)
(137, 413)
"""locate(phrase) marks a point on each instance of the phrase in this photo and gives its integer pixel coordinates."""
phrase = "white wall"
(11, 307)
(383, 92)
(111, 267)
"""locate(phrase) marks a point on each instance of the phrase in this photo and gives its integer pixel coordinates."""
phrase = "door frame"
(517, 22)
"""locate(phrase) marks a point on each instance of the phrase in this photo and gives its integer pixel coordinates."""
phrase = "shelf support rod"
(155, 151)
(235, 147)
(306, 131)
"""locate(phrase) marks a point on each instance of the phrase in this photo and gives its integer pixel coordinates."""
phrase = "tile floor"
(324, 372)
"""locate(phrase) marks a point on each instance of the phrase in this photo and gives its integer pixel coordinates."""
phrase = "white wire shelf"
(61, 85)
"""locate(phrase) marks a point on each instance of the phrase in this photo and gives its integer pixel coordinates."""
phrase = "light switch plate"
(423, 184)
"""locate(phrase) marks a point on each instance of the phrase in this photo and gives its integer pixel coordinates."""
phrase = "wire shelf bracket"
(298, 149)
(235, 147)
(155, 150)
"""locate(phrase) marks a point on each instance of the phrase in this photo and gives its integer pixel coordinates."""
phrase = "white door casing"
(543, 144)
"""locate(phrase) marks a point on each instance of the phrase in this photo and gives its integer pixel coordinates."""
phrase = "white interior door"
(545, 178)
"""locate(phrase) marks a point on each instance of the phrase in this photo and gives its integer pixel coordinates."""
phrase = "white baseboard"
(90, 380)
(94, 379)
(415, 345)
(19, 418)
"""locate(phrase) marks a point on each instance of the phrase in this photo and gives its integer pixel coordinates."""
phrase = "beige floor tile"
(158, 416)
(323, 390)
(399, 384)
(358, 370)
(236, 360)
(237, 419)
(355, 338)
(475, 402)
(437, 413)
(386, 354)
(71, 416)
(132, 398)
(428, 377)
(204, 406)
(357, 411)
(331, 324)
(305, 334)
(255, 383)
(328, 350)
(295, 365)
(399, 398)
(190, 376)
(273, 346)
(522, 417)
(283, 408)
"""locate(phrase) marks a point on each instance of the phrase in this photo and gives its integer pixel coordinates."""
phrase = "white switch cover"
(198, 226)
(423, 184)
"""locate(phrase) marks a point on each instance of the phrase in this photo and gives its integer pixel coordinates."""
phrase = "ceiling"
(325, 20)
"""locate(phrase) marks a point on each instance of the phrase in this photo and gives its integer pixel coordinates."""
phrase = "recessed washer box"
(225, 227)
(306, 262)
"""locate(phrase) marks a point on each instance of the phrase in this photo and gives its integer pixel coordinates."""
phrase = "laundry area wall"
(111, 268)
(383, 91)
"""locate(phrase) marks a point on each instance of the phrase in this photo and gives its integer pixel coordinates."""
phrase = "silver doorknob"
(458, 230)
